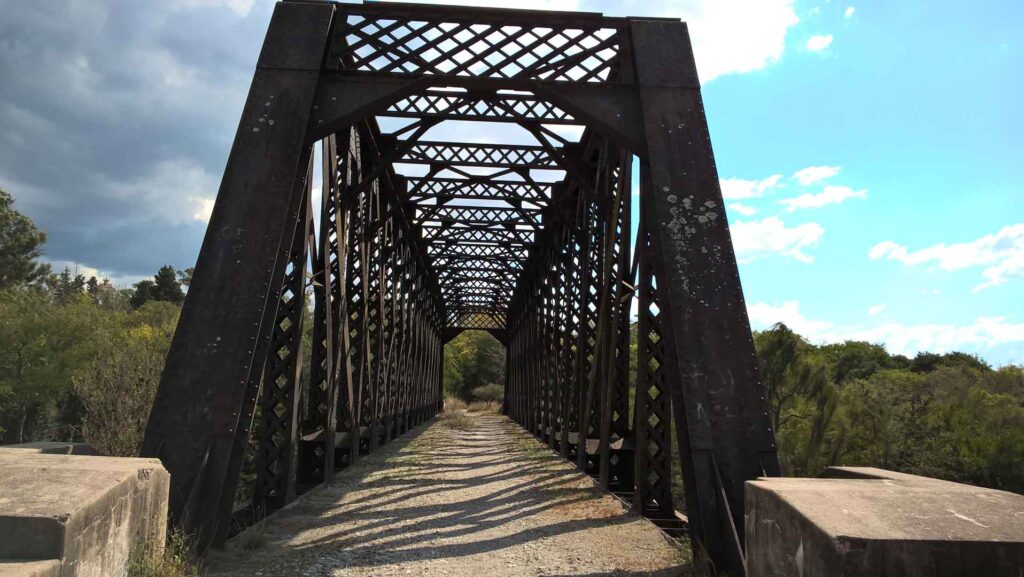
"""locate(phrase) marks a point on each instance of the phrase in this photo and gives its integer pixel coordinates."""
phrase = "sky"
(870, 152)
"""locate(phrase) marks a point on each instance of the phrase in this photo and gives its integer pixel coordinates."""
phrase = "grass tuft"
(176, 559)
(252, 539)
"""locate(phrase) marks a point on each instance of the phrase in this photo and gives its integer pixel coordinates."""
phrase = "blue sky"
(915, 107)
(870, 151)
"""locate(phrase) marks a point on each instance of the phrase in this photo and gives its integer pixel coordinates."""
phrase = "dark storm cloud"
(116, 118)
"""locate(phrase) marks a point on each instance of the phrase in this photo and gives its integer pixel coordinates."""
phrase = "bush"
(456, 420)
(492, 394)
(118, 386)
(176, 560)
(454, 404)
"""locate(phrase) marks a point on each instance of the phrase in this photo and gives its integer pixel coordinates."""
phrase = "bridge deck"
(466, 497)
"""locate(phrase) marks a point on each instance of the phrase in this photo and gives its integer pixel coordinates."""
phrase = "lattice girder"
(417, 238)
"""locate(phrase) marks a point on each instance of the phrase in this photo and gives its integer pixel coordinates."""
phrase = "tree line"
(80, 360)
(950, 416)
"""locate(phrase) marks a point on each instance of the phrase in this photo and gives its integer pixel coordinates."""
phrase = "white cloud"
(757, 239)
(849, 12)
(829, 195)
(813, 174)
(742, 209)
(570, 5)
(763, 315)
(729, 36)
(204, 208)
(178, 190)
(984, 332)
(876, 310)
(119, 281)
(738, 188)
(1002, 255)
(239, 7)
(74, 267)
(819, 42)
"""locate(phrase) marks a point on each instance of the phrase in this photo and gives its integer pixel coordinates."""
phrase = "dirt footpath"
(473, 496)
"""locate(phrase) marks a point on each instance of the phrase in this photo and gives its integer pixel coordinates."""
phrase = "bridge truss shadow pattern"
(345, 187)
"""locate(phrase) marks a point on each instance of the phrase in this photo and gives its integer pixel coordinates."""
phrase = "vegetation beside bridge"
(80, 360)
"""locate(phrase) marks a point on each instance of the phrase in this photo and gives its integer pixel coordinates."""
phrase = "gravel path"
(469, 496)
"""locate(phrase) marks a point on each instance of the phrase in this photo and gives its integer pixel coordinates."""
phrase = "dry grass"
(454, 404)
(484, 407)
(454, 415)
(176, 560)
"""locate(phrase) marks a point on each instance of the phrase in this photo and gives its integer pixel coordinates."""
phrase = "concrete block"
(84, 511)
(56, 448)
(859, 521)
(49, 568)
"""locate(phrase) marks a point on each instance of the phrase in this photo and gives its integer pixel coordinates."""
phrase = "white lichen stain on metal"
(256, 129)
(677, 232)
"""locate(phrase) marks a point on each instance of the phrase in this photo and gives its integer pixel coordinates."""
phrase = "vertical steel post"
(718, 398)
(219, 349)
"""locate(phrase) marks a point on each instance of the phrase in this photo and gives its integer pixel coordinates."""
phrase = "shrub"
(176, 560)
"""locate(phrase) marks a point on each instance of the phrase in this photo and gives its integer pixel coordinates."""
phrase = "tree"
(65, 287)
(472, 359)
(185, 276)
(858, 360)
(143, 293)
(928, 362)
(166, 286)
(802, 398)
(20, 245)
(117, 386)
(42, 345)
(163, 287)
(490, 394)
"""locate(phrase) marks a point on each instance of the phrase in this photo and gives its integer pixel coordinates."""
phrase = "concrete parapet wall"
(84, 512)
(859, 521)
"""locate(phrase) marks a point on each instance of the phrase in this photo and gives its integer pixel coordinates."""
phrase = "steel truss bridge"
(346, 187)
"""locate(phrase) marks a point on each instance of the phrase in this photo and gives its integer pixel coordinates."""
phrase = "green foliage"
(949, 416)
(175, 560)
(118, 386)
(78, 364)
(165, 287)
(42, 344)
(928, 362)
(20, 245)
(81, 360)
(471, 360)
(859, 360)
(185, 276)
(492, 394)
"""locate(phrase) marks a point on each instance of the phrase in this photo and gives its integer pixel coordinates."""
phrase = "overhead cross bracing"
(544, 176)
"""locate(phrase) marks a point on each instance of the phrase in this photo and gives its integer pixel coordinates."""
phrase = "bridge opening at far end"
(408, 180)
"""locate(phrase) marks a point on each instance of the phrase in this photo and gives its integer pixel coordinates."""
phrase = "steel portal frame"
(399, 260)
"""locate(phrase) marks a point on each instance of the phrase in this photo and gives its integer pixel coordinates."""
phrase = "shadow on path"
(490, 500)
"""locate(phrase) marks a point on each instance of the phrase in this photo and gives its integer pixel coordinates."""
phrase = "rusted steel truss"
(353, 236)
